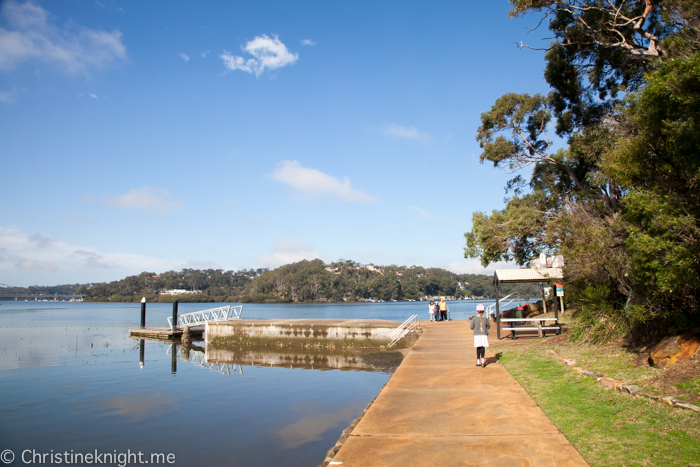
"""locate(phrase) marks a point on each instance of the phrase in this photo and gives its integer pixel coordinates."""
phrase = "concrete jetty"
(439, 409)
(370, 330)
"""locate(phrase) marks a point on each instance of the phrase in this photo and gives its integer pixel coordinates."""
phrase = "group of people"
(479, 324)
(438, 310)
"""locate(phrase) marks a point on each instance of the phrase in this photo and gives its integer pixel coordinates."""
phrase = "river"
(74, 383)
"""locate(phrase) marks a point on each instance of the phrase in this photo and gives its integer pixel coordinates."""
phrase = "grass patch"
(690, 386)
(607, 427)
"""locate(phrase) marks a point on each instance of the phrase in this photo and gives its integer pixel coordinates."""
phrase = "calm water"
(71, 380)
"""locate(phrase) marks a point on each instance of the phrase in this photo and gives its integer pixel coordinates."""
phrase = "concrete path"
(439, 409)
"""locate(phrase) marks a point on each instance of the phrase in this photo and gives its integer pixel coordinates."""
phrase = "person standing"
(431, 309)
(481, 326)
(436, 311)
(443, 309)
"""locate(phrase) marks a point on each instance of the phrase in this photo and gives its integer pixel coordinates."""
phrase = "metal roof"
(527, 275)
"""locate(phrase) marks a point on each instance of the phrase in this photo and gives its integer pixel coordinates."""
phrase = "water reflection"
(137, 407)
(285, 358)
(314, 425)
(231, 360)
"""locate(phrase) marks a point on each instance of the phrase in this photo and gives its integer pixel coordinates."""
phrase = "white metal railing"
(489, 309)
(200, 318)
(406, 327)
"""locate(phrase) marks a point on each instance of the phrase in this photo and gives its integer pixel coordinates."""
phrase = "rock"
(692, 407)
(609, 383)
(632, 388)
(570, 361)
(667, 400)
(670, 350)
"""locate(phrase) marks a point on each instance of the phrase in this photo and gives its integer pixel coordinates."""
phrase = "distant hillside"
(304, 281)
(65, 289)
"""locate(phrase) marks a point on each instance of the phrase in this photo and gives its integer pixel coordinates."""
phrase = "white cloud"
(10, 97)
(91, 260)
(71, 48)
(40, 241)
(308, 42)
(287, 251)
(269, 53)
(406, 132)
(421, 212)
(37, 252)
(205, 53)
(314, 183)
(185, 57)
(32, 264)
(150, 199)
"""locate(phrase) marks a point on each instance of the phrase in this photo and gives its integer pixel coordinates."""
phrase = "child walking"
(481, 327)
(432, 311)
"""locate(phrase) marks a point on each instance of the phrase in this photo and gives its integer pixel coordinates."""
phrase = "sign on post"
(560, 294)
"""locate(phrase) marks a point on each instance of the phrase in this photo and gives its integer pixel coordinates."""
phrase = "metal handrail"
(490, 308)
(200, 318)
(406, 327)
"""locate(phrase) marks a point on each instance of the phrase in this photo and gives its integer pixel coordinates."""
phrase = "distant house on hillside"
(177, 292)
(372, 268)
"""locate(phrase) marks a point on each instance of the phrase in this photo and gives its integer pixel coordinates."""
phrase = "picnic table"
(520, 324)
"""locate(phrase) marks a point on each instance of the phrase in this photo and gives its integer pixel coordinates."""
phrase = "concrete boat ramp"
(439, 409)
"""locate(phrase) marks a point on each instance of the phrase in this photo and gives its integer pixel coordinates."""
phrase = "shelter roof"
(527, 275)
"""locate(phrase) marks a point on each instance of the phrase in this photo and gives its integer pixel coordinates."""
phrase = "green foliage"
(516, 233)
(622, 202)
(596, 319)
(662, 152)
(526, 118)
(313, 281)
(659, 162)
(598, 53)
(205, 286)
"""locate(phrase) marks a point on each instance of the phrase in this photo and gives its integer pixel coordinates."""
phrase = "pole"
(142, 352)
(173, 361)
(498, 314)
(544, 300)
(175, 315)
(556, 306)
(561, 301)
(143, 312)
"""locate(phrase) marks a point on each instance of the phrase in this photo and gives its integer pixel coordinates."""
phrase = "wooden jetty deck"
(439, 409)
(164, 333)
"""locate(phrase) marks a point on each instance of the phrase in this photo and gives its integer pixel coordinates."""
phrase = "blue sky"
(148, 136)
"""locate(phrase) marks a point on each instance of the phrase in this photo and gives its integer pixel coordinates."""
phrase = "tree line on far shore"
(301, 282)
